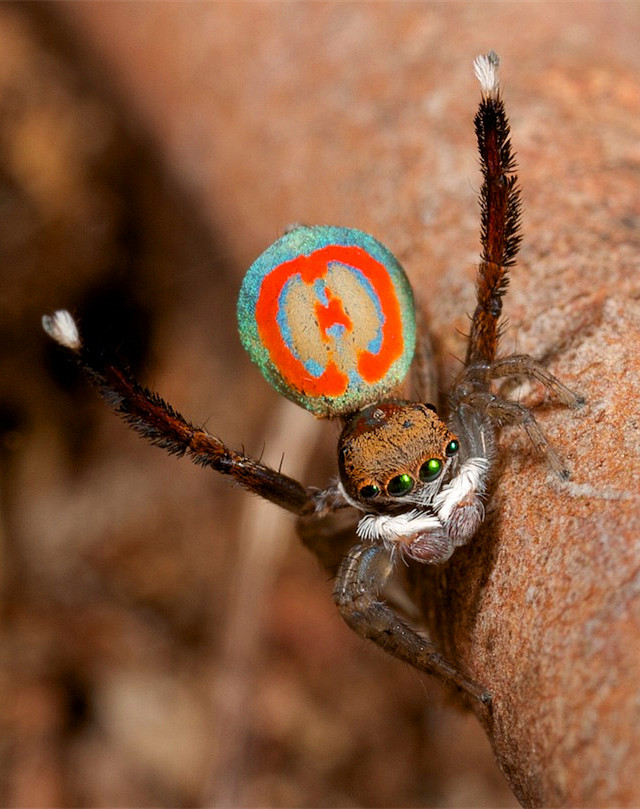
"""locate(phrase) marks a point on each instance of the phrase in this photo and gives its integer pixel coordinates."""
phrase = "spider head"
(395, 453)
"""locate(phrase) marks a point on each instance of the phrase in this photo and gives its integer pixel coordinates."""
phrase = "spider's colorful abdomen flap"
(327, 315)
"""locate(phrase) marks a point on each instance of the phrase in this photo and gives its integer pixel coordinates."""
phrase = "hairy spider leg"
(525, 365)
(500, 209)
(503, 411)
(362, 576)
(150, 416)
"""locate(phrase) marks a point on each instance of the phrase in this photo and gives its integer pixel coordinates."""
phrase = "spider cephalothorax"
(395, 452)
(327, 314)
(395, 459)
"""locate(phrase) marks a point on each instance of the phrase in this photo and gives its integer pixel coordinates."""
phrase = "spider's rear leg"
(525, 365)
(361, 577)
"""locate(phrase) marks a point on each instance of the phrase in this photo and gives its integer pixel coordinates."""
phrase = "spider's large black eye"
(400, 485)
(369, 491)
(451, 448)
(430, 470)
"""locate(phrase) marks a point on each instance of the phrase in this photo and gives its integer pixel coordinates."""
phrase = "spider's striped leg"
(503, 411)
(524, 365)
(362, 576)
(163, 426)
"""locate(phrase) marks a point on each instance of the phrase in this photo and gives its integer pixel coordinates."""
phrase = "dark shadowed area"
(166, 641)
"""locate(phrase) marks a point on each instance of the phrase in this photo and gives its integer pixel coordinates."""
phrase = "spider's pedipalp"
(416, 534)
(470, 481)
(390, 528)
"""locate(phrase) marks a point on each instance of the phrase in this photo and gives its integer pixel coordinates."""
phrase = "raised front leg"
(361, 577)
(150, 416)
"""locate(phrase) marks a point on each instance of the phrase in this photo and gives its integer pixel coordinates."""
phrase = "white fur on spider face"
(62, 327)
(470, 480)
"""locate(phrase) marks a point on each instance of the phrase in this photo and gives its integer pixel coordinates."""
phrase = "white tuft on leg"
(62, 327)
(485, 67)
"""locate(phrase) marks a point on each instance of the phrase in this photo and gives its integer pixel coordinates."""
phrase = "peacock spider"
(327, 314)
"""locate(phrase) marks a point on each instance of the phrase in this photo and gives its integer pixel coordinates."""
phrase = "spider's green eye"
(431, 469)
(452, 448)
(369, 491)
(399, 485)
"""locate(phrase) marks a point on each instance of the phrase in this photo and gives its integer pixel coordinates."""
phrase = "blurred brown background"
(164, 641)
